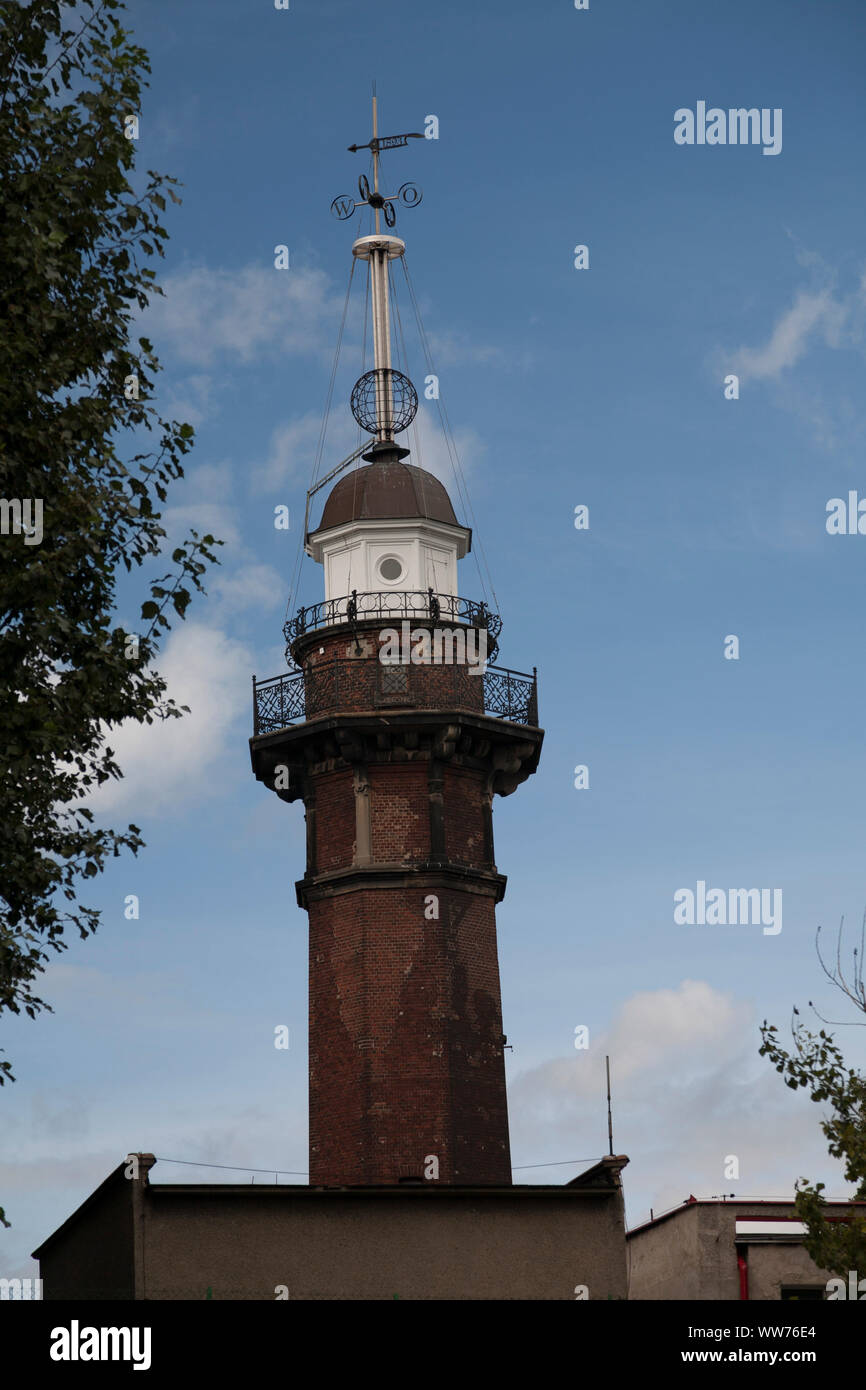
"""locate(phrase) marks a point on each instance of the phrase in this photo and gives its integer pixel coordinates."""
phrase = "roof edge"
(688, 1203)
(113, 1178)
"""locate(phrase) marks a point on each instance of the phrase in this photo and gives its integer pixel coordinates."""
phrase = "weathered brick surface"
(406, 1038)
(342, 678)
(464, 827)
(400, 814)
(335, 819)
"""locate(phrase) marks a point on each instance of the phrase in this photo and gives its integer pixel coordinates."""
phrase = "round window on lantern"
(390, 569)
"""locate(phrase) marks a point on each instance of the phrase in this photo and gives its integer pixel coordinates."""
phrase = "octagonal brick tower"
(397, 766)
(397, 763)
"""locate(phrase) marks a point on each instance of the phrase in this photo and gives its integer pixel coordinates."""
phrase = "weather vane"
(343, 207)
(384, 402)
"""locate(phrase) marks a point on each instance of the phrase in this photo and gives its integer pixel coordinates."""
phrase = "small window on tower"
(391, 569)
(395, 680)
(393, 685)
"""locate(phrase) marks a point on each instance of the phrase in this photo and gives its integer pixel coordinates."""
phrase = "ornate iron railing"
(511, 695)
(349, 685)
(394, 605)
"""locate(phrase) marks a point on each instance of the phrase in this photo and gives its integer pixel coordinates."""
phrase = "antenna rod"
(609, 1118)
(379, 294)
(376, 152)
(379, 250)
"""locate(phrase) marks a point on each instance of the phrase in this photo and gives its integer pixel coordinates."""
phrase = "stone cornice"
(429, 875)
(508, 753)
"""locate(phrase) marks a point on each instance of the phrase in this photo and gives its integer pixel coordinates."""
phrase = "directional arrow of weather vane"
(408, 194)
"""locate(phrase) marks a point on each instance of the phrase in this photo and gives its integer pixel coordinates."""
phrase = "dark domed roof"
(387, 490)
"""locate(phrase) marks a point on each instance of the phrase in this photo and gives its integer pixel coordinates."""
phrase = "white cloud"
(205, 506)
(816, 314)
(191, 400)
(239, 582)
(292, 451)
(810, 314)
(687, 1024)
(689, 1089)
(204, 314)
(213, 481)
(429, 450)
(251, 586)
(208, 518)
(453, 349)
(171, 763)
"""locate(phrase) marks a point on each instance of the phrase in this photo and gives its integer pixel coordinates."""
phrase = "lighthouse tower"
(396, 732)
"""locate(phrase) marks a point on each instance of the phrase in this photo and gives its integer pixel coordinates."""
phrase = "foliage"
(816, 1062)
(75, 239)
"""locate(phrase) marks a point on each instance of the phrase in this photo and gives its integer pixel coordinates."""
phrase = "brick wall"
(348, 677)
(406, 1059)
(405, 1039)
(400, 812)
(335, 819)
(464, 823)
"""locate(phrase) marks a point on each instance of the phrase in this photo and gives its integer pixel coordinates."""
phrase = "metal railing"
(394, 605)
(354, 686)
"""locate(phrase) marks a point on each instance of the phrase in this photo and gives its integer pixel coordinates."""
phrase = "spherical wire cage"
(384, 400)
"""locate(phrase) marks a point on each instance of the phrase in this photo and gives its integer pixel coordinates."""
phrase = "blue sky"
(601, 387)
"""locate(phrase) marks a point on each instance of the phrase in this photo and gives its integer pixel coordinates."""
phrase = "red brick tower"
(396, 741)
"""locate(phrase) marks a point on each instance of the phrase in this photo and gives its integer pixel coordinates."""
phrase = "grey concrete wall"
(663, 1258)
(771, 1266)
(367, 1247)
(718, 1271)
(692, 1254)
(412, 1244)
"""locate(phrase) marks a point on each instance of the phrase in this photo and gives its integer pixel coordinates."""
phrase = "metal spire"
(383, 401)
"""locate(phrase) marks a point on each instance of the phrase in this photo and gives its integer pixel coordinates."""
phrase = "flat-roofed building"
(133, 1239)
(728, 1249)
